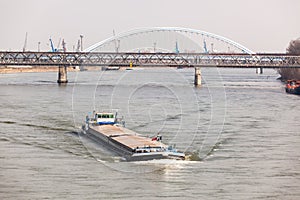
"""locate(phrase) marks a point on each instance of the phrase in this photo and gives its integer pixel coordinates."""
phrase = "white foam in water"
(166, 162)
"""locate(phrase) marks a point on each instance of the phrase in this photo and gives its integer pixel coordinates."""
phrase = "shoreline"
(36, 69)
(30, 69)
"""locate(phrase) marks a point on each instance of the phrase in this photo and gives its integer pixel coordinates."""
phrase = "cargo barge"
(110, 132)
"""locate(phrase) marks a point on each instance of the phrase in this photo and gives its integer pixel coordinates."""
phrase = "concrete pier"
(62, 75)
(259, 70)
(198, 80)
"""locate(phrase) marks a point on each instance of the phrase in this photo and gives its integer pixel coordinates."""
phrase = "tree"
(294, 47)
(291, 73)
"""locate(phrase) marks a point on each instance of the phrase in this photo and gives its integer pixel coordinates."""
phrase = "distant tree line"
(291, 73)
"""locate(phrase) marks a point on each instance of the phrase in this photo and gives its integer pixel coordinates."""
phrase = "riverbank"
(29, 69)
(289, 74)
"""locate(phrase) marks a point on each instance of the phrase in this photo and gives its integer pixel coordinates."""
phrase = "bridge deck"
(149, 59)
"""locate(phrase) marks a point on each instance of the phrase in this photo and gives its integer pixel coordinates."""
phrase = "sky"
(260, 25)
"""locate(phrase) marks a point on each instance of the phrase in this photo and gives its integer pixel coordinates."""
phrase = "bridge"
(195, 60)
(237, 60)
(158, 46)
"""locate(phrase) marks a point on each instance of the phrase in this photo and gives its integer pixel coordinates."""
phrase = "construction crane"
(176, 47)
(78, 46)
(25, 43)
(52, 46)
(58, 44)
(53, 49)
(81, 44)
(64, 45)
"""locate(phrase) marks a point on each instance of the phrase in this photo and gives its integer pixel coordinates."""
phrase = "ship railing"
(120, 121)
(148, 149)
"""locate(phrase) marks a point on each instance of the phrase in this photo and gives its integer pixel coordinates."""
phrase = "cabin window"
(105, 116)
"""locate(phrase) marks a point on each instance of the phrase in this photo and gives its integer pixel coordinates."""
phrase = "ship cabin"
(105, 118)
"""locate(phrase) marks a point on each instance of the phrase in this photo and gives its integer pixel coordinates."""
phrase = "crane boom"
(58, 44)
(52, 46)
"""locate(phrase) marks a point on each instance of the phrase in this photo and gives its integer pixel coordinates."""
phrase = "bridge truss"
(237, 60)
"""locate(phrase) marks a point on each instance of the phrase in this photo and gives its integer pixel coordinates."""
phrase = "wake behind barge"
(110, 132)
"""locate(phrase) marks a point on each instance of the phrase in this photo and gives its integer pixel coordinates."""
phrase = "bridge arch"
(156, 38)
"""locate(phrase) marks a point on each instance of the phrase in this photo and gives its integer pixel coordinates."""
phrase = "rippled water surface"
(243, 126)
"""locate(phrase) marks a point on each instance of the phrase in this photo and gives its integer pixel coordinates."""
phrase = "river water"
(242, 126)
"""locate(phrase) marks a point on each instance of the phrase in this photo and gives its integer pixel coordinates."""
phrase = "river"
(243, 126)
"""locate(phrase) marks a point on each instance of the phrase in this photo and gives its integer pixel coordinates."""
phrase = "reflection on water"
(244, 127)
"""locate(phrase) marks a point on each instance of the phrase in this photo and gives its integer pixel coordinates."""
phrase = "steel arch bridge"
(114, 43)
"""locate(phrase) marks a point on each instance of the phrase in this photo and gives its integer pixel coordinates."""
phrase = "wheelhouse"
(105, 118)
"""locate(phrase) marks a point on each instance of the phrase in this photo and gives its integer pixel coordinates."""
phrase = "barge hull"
(107, 143)
(130, 145)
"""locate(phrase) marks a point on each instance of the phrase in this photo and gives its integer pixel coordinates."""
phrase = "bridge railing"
(149, 59)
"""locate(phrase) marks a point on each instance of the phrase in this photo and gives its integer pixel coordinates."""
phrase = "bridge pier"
(259, 70)
(62, 75)
(198, 80)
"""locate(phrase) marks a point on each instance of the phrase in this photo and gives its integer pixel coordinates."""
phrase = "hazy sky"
(260, 25)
